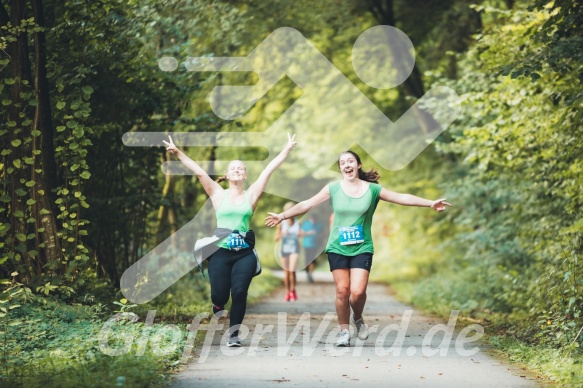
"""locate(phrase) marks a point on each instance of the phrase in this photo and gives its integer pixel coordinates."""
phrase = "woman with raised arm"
(350, 248)
(233, 263)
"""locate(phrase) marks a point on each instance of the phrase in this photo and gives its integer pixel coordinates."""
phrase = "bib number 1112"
(350, 235)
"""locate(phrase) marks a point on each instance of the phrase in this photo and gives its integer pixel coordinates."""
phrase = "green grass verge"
(562, 366)
(46, 343)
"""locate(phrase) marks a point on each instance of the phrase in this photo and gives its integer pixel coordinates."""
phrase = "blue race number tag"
(235, 241)
(350, 235)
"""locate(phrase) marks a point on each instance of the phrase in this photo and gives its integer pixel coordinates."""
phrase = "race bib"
(235, 241)
(350, 235)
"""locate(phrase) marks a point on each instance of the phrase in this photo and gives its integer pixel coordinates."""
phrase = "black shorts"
(338, 261)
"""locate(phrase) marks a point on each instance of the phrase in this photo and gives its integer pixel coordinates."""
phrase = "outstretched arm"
(211, 187)
(257, 188)
(301, 208)
(278, 232)
(411, 200)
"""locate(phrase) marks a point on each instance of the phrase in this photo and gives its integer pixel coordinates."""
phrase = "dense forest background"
(78, 207)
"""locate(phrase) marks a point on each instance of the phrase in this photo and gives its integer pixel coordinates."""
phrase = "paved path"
(389, 358)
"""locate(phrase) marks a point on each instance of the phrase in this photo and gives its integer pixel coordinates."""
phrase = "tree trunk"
(166, 212)
(413, 86)
(46, 179)
(37, 147)
(19, 70)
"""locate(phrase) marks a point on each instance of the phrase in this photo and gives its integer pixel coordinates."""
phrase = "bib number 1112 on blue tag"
(350, 235)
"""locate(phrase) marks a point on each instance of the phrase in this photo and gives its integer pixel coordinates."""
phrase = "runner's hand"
(171, 147)
(291, 143)
(440, 205)
(273, 219)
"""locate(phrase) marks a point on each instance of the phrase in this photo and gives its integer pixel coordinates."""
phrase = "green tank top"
(352, 212)
(235, 217)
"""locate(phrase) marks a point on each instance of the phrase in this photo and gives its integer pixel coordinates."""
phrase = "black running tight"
(230, 272)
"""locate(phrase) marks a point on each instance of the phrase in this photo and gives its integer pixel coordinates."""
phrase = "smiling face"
(349, 165)
(236, 171)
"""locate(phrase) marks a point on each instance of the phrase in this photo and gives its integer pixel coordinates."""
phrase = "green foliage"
(511, 254)
(507, 253)
(46, 342)
(58, 346)
(553, 364)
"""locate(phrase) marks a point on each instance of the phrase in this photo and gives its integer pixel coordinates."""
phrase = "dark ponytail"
(370, 176)
(221, 178)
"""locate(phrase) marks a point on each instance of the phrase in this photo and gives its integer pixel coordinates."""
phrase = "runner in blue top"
(311, 242)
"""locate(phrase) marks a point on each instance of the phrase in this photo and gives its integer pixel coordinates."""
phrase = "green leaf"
(18, 214)
(61, 104)
(5, 198)
(79, 133)
(61, 128)
(534, 77)
(35, 133)
(16, 142)
(6, 102)
(9, 81)
(30, 183)
(20, 192)
(16, 163)
(85, 175)
(72, 124)
(87, 89)
(30, 202)
(5, 152)
(21, 237)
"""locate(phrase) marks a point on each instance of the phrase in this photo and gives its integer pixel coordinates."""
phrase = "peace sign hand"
(440, 205)
(291, 143)
(171, 147)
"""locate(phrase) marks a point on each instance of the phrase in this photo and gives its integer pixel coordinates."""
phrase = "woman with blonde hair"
(233, 263)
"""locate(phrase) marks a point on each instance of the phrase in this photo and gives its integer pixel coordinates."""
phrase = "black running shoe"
(234, 342)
